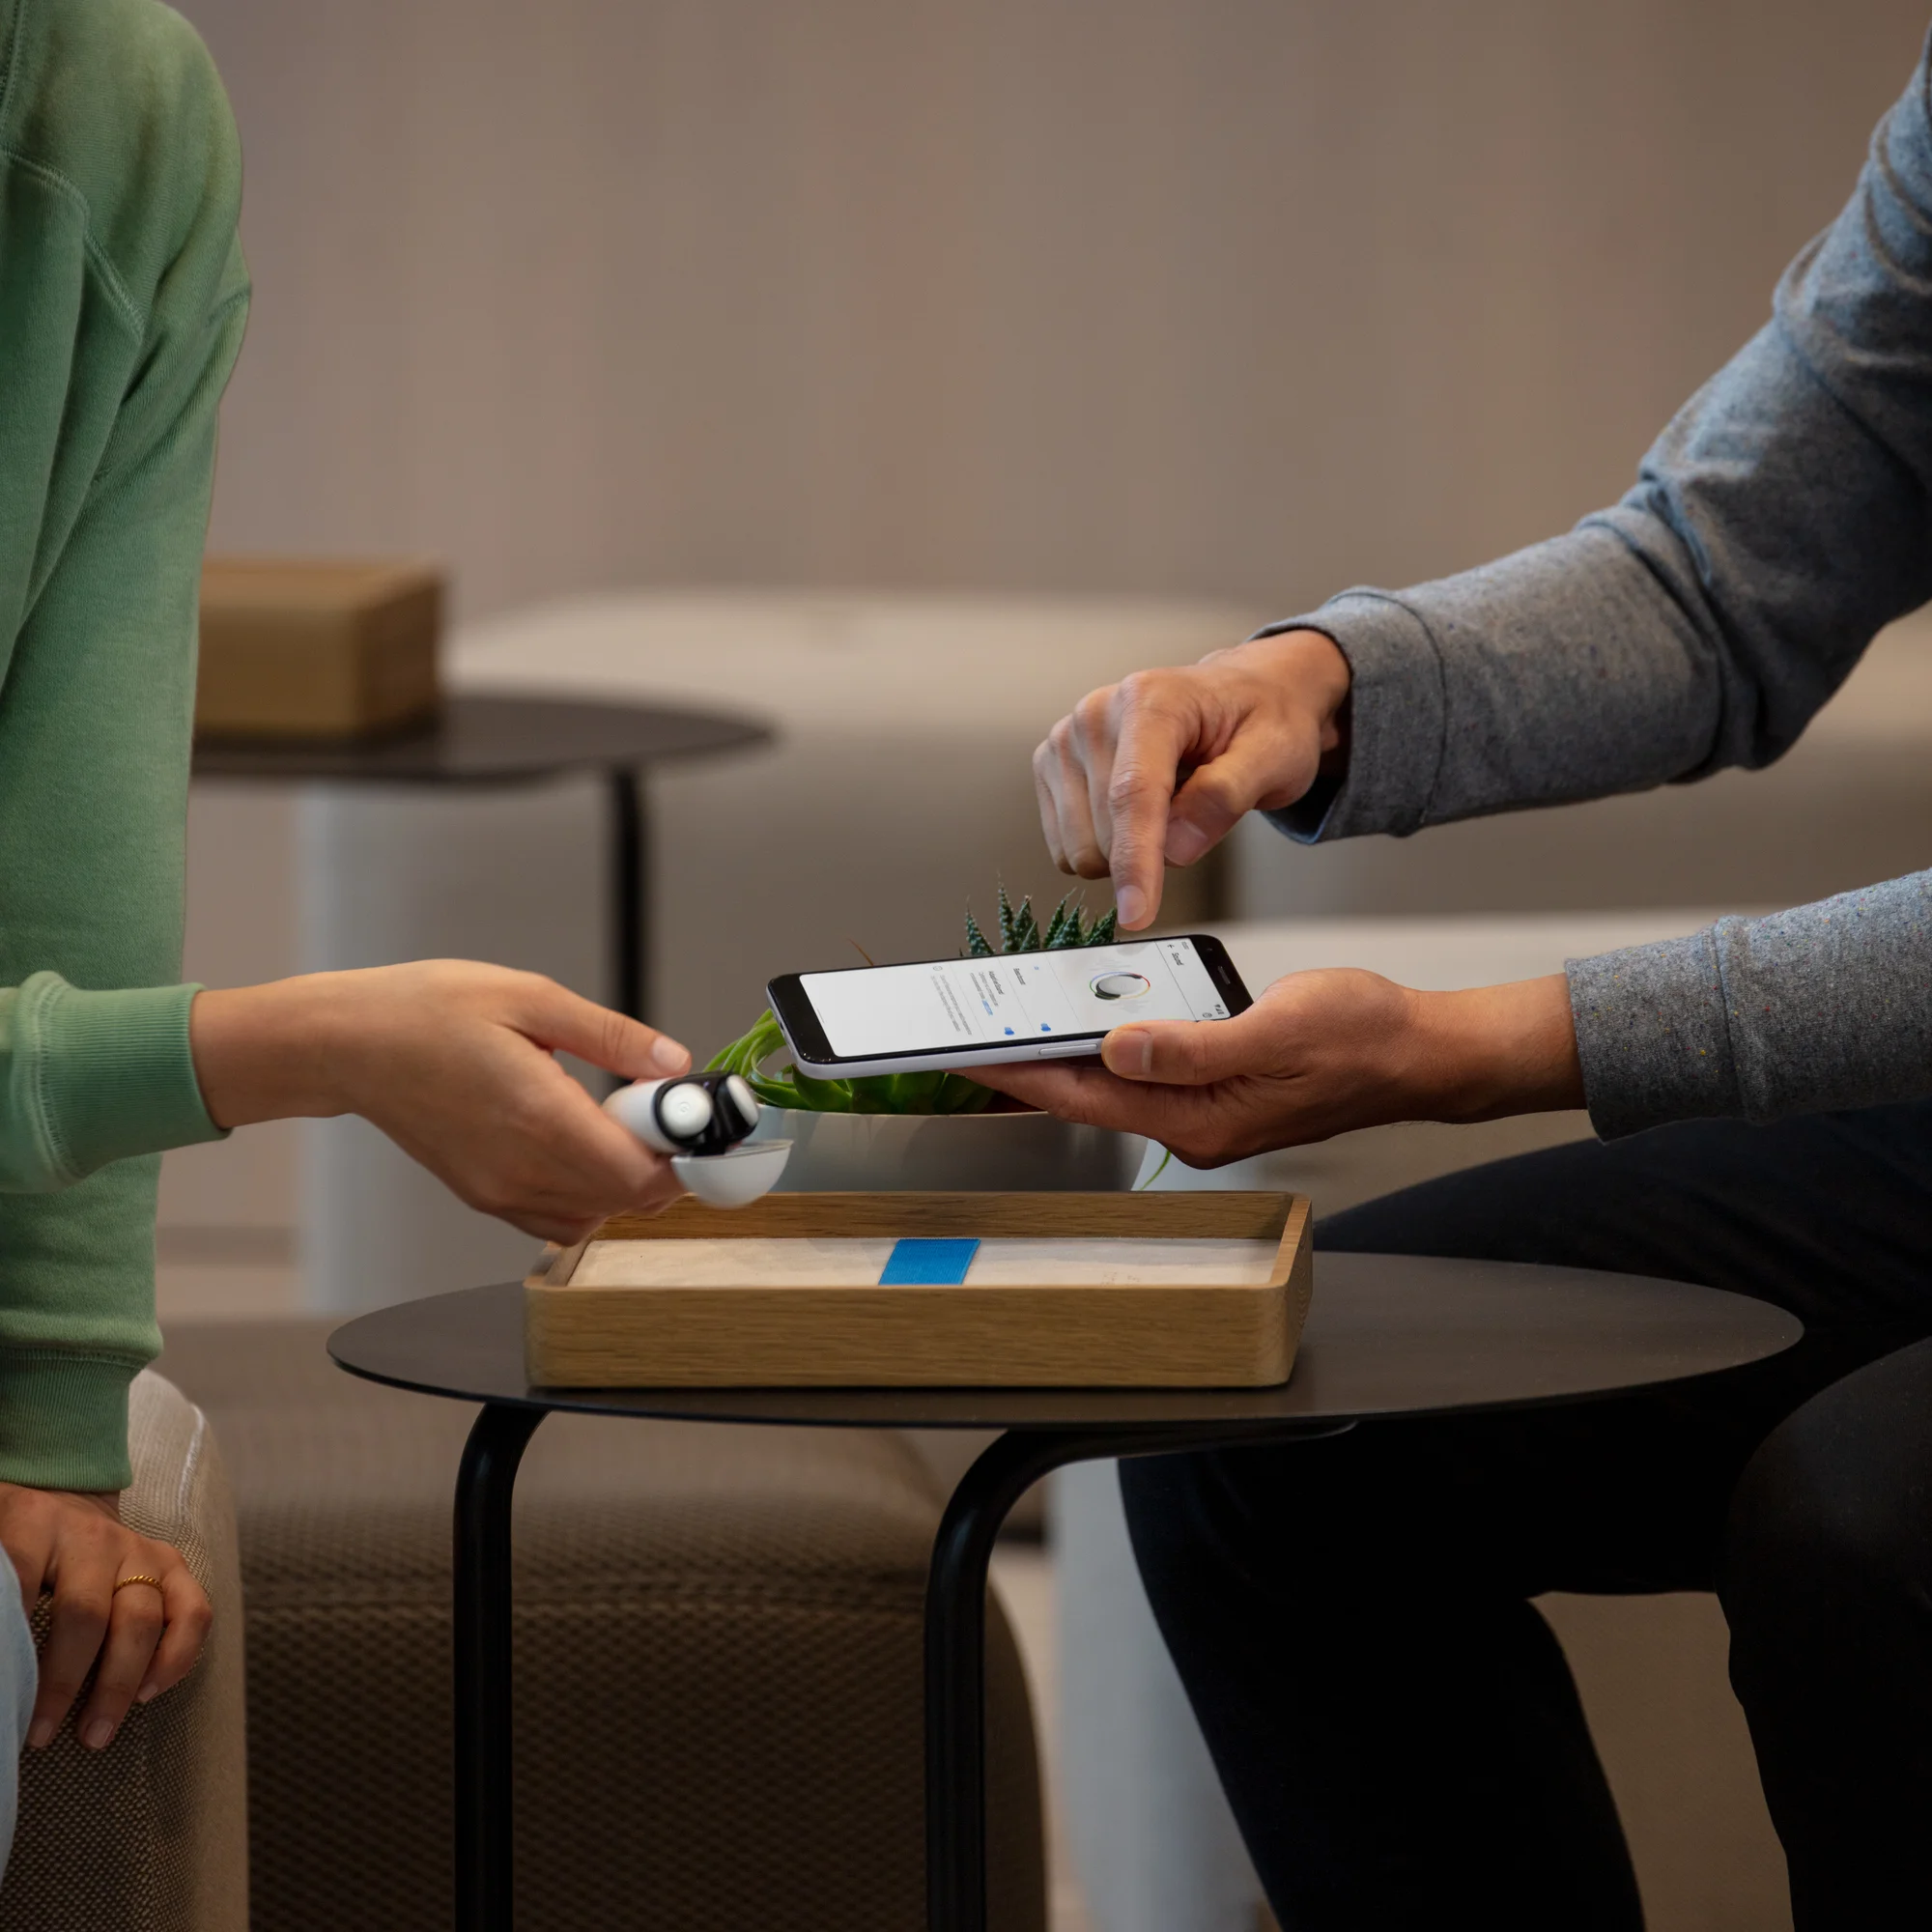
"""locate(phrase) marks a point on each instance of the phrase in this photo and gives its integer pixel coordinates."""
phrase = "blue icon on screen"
(1009, 1028)
(1044, 1028)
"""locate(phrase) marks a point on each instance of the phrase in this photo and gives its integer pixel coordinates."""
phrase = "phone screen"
(879, 1011)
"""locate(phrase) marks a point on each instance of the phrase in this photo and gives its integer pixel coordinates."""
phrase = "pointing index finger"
(1147, 760)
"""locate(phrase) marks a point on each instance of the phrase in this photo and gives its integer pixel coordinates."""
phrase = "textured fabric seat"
(718, 1663)
(150, 1835)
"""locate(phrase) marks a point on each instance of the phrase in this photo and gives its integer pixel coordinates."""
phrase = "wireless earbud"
(697, 1114)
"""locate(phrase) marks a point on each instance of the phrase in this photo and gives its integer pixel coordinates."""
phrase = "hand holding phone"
(940, 1013)
(1321, 1053)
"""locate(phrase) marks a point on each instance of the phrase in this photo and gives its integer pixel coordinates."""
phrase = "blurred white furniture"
(900, 788)
(1154, 1845)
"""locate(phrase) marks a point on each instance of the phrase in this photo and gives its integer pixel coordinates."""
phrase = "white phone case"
(949, 1059)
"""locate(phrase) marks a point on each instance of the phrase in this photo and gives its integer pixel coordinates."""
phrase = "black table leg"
(630, 991)
(485, 1485)
(955, 1635)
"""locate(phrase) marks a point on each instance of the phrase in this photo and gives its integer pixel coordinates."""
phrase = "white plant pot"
(946, 1152)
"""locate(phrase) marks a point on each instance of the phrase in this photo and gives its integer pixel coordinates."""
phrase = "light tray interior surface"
(856, 1261)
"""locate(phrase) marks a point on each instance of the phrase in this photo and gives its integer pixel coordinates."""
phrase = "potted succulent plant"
(933, 1130)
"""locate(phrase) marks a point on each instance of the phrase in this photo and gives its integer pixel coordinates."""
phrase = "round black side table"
(513, 740)
(1387, 1335)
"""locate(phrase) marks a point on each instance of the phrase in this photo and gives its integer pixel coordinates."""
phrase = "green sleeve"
(88, 1078)
(122, 303)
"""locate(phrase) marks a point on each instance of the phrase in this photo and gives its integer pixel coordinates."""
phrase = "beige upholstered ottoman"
(718, 1663)
(151, 1834)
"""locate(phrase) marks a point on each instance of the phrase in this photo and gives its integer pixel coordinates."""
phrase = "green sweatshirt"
(122, 297)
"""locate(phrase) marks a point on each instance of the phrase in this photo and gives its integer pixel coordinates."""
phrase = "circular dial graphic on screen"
(1119, 985)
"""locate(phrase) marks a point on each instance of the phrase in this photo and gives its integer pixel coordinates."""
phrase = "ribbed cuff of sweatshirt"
(63, 1420)
(1398, 714)
(1653, 1037)
(99, 1076)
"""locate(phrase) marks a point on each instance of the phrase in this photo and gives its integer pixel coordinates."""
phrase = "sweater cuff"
(1398, 711)
(63, 1420)
(117, 1076)
(1652, 1035)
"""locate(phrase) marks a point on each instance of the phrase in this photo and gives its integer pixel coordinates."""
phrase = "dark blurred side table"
(512, 740)
(1387, 1335)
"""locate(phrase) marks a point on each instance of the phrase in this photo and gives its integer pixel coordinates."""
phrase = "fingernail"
(146, 1691)
(668, 1056)
(1129, 1051)
(1185, 842)
(41, 1733)
(97, 1733)
(1131, 904)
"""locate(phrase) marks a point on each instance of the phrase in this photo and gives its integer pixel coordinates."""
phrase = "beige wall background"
(1187, 297)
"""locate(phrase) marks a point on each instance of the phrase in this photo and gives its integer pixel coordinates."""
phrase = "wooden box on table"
(1065, 1291)
(318, 650)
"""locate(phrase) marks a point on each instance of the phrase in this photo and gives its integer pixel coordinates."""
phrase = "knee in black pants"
(1396, 1756)
(1826, 1578)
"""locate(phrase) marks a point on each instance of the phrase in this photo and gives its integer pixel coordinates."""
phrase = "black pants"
(1395, 1724)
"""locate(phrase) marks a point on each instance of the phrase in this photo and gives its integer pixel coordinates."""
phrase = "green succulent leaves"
(877, 1093)
(934, 1092)
(1019, 931)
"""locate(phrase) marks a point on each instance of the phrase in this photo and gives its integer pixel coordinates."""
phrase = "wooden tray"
(1097, 1291)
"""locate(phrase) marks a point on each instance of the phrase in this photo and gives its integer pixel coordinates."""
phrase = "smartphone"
(1017, 1006)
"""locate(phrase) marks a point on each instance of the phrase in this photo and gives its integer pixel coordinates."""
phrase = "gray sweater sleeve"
(1776, 524)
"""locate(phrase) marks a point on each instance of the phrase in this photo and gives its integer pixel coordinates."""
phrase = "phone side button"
(1064, 1049)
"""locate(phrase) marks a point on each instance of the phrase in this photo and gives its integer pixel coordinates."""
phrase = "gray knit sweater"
(1776, 524)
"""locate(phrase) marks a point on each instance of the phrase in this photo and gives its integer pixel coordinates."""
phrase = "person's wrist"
(1310, 664)
(1490, 1051)
(106, 1501)
(267, 1053)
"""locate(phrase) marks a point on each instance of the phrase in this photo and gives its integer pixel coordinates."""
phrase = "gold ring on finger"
(156, 1582)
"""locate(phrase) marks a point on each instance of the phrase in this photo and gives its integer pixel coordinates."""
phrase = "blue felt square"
(928, 1264)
